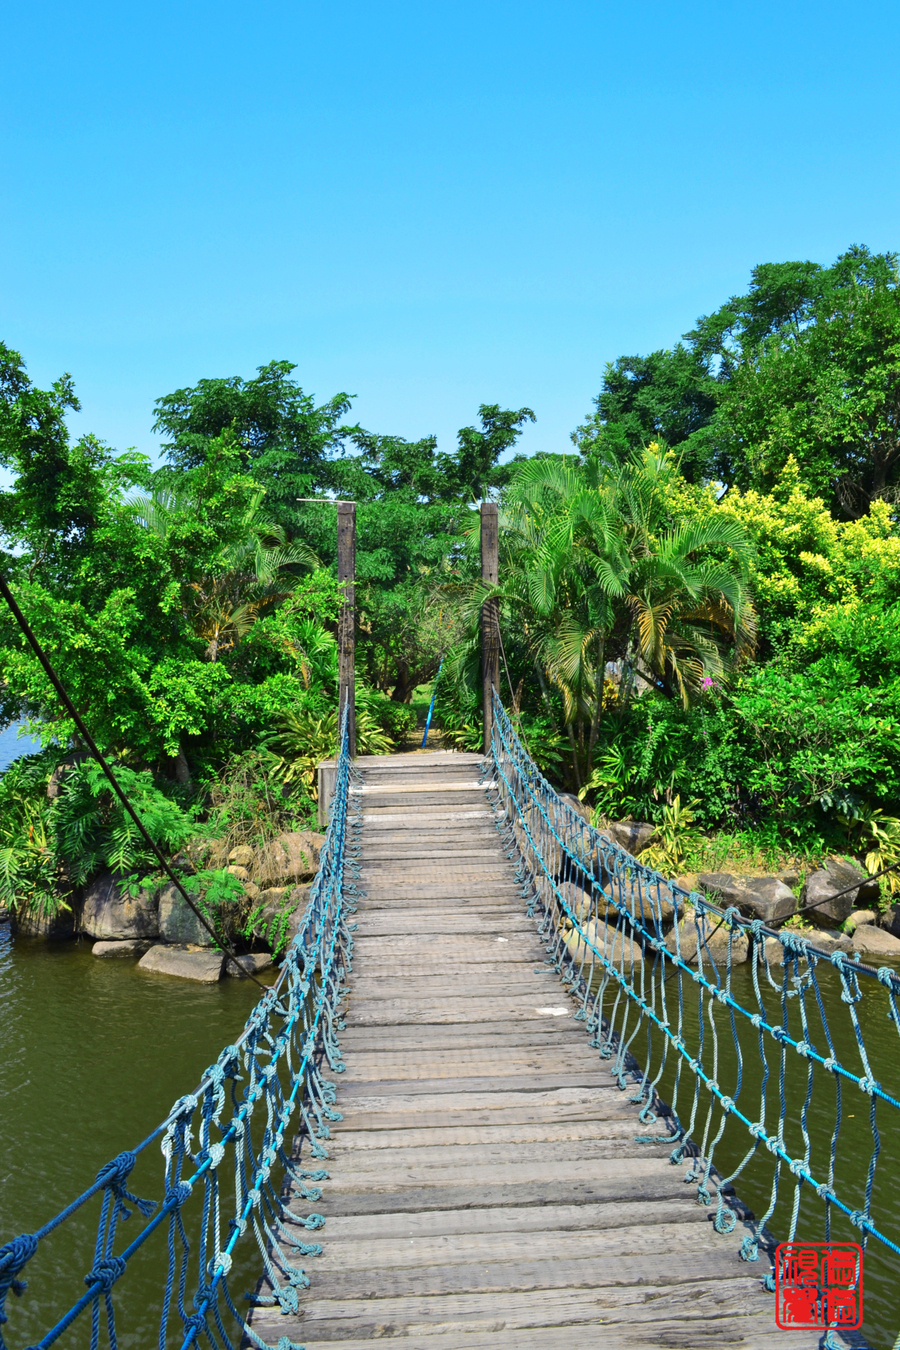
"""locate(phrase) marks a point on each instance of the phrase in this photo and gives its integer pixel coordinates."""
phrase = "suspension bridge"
(482, 1104)
(511, 1088)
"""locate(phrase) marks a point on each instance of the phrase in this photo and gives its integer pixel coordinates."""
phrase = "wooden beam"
(490, 616)
(346, 530)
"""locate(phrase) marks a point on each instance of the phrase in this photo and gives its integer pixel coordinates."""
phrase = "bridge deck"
(486, 1190)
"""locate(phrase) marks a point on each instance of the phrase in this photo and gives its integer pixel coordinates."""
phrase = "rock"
(611, 943)
(242, 856)
(576, 897)
(764, 898)
(632, 835)
(240, 872)
(890, 920)
(713, 941)
(580, 808)
(860, 916)
(290, 858)
(125, 947)
(177, 921)
(790, 877)
(827, 942)
(251, 964)
(108, 912)
(30, 923)
(835, 877)
(63, 768)
(872, 941)
(205, 967)
(276, 902)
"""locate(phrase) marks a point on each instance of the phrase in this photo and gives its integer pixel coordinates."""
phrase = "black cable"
(114, 782)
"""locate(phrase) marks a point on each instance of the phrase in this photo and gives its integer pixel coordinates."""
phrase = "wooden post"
(346, 531)
(490, 616)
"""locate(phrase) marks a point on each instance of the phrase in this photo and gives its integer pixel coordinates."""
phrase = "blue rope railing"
(653, 970)
(227, 1155)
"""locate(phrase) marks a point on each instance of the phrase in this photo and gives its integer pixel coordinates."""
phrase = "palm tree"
(597, 565)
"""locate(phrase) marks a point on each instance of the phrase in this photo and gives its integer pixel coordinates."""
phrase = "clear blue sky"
(426, 205)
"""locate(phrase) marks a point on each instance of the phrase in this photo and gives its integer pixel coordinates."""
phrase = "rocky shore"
(159, 929)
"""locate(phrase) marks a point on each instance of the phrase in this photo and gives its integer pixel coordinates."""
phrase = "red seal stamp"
(818, 1285)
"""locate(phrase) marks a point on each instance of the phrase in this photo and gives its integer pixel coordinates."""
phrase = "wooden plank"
(485, 1188)
(587, 1318)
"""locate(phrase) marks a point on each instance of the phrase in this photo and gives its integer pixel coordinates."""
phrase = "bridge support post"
(490, 616)
(346, 541)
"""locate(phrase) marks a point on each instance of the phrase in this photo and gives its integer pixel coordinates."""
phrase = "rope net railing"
(229, 1151)
(761, 1059)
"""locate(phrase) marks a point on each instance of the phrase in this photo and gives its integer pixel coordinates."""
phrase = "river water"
(93, 1054)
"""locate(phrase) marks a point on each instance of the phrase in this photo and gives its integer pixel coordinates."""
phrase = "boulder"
(251, 964)
(871, 941)
(205, 967)
(611, 943)
(827, 942)
(580, 808)
(126, 947)
(713, 941)
(765, 898)
(291, 858)
(177, 921)
(891, 920)
(31, 923)
(275, 902)
(632, 835)
(860, 916)
(240, 872)
(242, 856)
(108, 911)
(823, 889)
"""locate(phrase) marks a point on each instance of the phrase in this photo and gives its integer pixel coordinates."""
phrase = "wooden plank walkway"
(486, 1191)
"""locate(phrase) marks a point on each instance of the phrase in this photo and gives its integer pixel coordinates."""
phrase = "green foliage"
(30, 876)
(92, 830)
(676, 836)
(806, 364)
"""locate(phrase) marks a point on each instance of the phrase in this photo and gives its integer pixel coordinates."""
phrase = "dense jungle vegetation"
(700, 598)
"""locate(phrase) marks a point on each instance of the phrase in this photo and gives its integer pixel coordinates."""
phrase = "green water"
(93, 1053)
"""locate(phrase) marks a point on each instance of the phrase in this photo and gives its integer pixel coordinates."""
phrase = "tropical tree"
(607, 574)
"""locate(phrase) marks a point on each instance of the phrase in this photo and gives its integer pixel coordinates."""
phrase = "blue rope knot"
(732, 915)
(860, 1219)
(106, 1272)
(749, 1249)
(13, 1256)
(830, 1063)
(758, 1130)
(216, 1154)
(838, 959)
(285, 1343)
(867, 1085)
(727, 1104)
(117, 1172)
(803, 1048)
(712, 1085)
(797, 1168)
(756, 1020)
(779, 1034)
(824, 1192)
(195, 1323)
(311, 1221)
(178, 1193)
(887, 976)
(221, 1262)
(756, 927)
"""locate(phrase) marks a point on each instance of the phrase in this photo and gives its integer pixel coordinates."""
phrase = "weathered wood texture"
(486, 1191)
